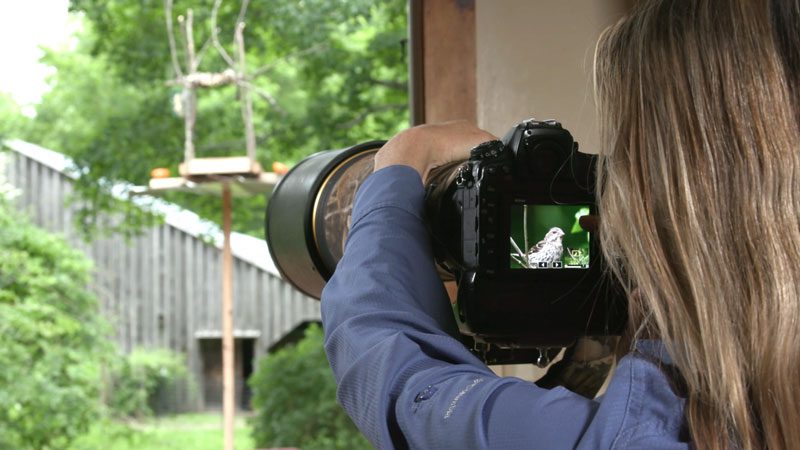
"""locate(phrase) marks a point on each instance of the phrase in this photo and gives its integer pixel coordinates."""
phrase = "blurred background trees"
(53, 341)
(328, 74)
(12, 121)
(332, 73)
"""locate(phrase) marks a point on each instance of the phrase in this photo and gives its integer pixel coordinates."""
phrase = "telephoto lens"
(308, 215)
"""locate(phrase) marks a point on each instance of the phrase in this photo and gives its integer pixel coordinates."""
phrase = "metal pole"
(228, 388)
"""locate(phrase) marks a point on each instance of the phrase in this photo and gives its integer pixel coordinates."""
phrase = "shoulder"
(643, 406)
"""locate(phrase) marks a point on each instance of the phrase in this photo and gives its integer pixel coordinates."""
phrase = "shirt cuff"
(395, 186)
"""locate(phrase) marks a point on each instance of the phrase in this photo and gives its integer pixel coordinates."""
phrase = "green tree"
(336, 70)
(53, 341)
(294, 398)
(12, 121)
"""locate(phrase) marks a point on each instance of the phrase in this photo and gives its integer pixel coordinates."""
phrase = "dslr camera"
(514, 226)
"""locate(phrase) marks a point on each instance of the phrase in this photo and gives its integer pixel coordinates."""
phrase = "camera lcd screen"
(548, 237)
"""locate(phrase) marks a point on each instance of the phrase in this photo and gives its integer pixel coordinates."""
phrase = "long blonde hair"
(699, 200)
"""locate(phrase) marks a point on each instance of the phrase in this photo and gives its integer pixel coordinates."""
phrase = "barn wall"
(163, 288)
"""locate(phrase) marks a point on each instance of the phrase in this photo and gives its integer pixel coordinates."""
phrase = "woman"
(699, 198)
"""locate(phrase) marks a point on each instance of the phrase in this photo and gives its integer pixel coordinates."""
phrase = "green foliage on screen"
(294, 400)
(541, 218)
(53, 342)
(336, 69)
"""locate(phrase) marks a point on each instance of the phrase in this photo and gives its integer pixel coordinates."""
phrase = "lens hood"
(308, 214)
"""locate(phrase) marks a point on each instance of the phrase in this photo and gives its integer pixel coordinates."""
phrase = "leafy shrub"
(53, 341)
(144, 377)
(294, 400)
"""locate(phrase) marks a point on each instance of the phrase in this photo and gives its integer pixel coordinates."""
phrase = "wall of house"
(534, 59)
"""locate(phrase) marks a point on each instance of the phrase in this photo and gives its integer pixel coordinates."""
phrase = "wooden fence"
(163, 289)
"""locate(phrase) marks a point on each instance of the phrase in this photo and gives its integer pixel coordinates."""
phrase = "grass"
(186, 431)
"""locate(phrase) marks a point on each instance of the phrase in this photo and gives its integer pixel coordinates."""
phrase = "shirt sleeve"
(403, 378)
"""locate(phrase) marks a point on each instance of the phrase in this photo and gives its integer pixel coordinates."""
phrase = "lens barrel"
(308, 215)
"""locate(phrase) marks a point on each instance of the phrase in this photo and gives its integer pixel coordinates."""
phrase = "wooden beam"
(416, 62)
(449, 60)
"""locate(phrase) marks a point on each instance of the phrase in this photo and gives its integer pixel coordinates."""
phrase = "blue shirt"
(408, 383)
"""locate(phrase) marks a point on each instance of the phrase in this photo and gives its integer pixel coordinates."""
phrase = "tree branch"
(206, 79)
(246, 101)
(188, 30)
(171, 38)
(264, 69)
(265, 95)
(215, 35)
(242, 12)
(202, 51)
(189, 95)
(391, 84)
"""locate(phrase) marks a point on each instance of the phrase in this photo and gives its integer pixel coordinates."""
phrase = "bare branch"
(206, 79)
(313, 49)
(189, 30)
(189, 95)
(246, 101)
(202, 51)
(242, 12)
(265, 95)
(176, 67)
(363, 116)
(215, 34)
(391, 84)
(189, 119)
(516, 247)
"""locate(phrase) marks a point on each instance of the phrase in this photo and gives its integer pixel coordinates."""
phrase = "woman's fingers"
(427, 146)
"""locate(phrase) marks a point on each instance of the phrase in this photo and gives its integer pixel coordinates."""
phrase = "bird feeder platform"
(212, 185)
(198, 168)
(208, 176)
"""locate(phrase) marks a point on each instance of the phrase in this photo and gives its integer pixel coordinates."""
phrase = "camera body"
(529, 270)
(518, 301)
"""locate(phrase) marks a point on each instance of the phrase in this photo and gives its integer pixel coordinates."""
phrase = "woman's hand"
(425, 147)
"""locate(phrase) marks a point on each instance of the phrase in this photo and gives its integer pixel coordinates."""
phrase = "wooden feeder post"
(225, 176)
(228, 381)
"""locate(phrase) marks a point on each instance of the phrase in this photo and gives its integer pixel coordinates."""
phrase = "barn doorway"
(211, 384)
